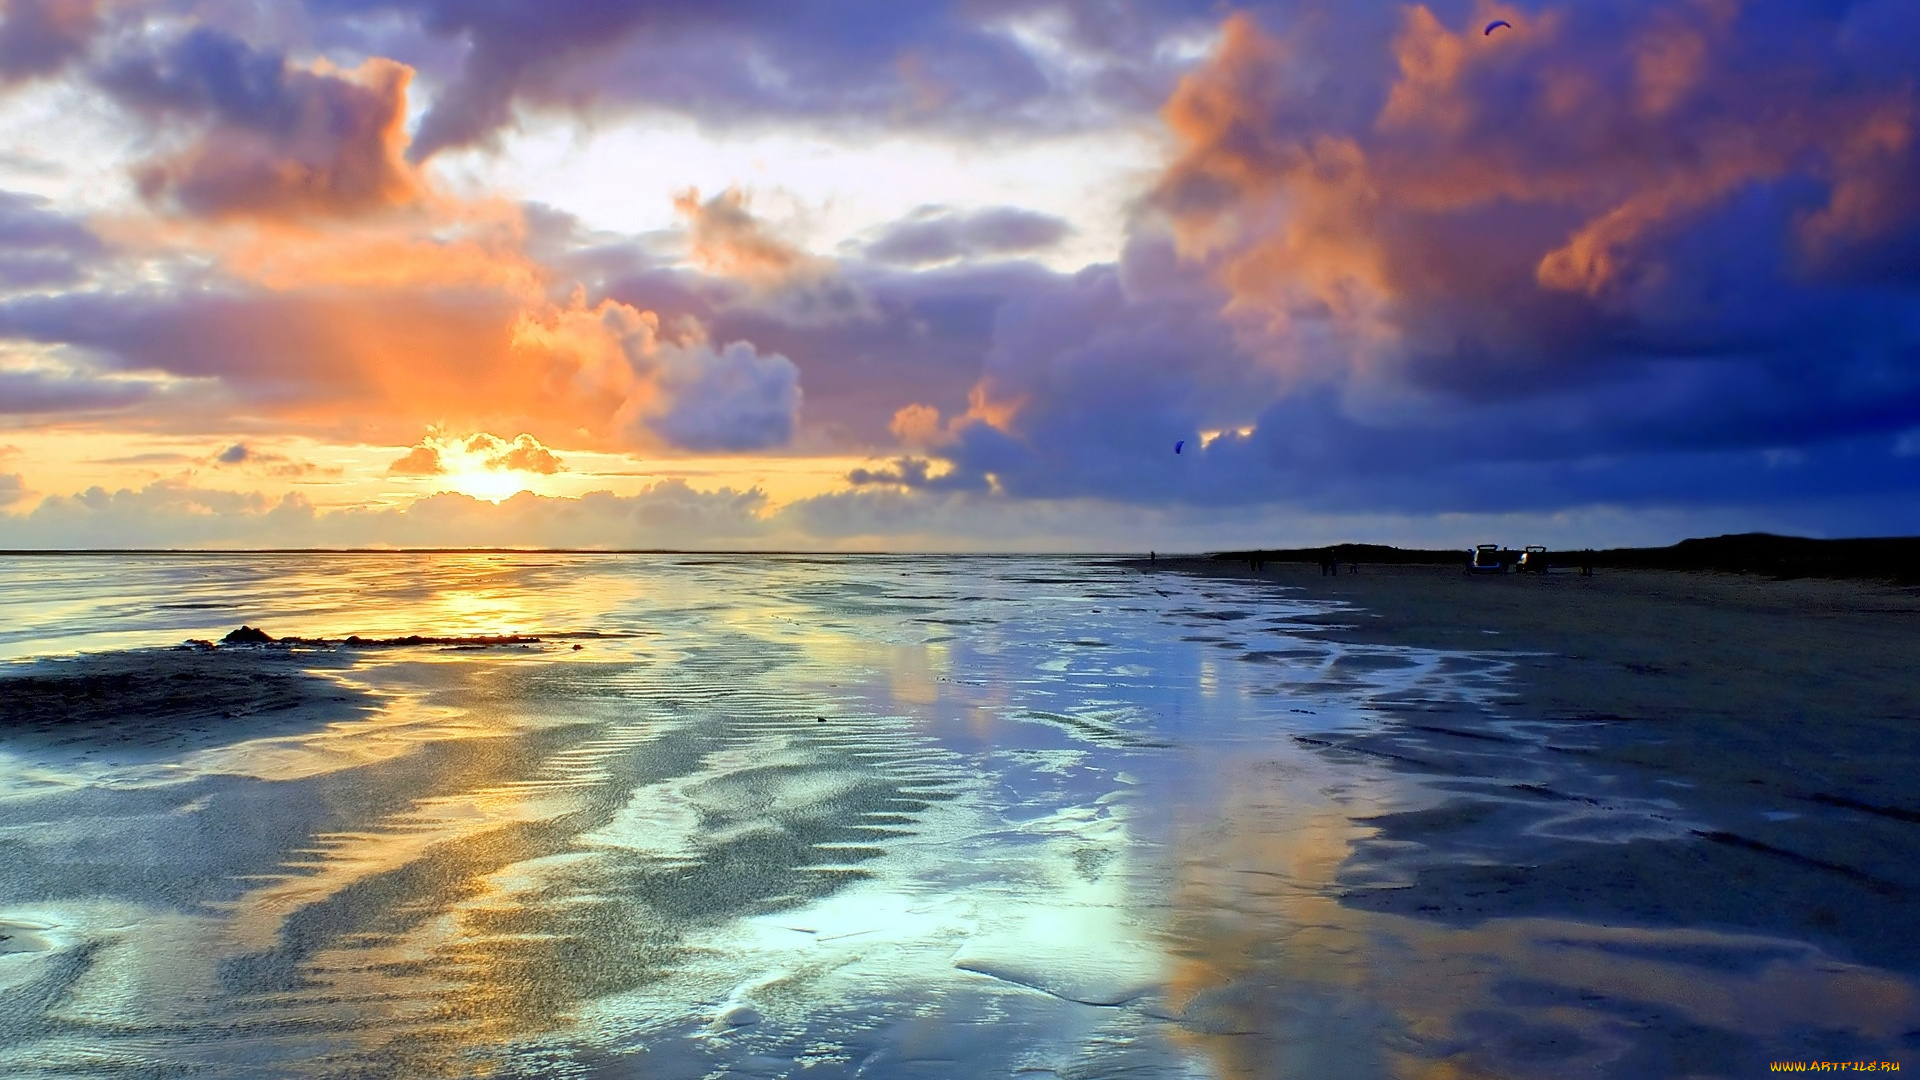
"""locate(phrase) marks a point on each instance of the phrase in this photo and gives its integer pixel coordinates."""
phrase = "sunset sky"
(956, 276)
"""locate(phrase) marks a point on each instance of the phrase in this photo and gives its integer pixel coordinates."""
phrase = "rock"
(247, 635)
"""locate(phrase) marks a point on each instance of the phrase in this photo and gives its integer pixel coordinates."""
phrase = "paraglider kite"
(1495, 25)
(1178, 445)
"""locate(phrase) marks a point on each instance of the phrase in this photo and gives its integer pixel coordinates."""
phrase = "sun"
(493, 485)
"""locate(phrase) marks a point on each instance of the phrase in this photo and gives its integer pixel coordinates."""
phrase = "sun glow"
(493, 485)
(481, 465)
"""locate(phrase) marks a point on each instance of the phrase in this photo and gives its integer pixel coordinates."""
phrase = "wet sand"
(1775, 726)
(957, 818)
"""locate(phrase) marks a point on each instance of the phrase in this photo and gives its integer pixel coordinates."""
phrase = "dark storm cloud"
(935, 234)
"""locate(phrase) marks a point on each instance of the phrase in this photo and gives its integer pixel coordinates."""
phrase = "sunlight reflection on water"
(796, 816)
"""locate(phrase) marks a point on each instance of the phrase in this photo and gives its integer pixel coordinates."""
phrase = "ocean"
(791, 816)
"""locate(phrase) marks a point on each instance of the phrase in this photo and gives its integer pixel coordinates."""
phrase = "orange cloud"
(1290, 215)
(1877, 182)
(1592, 150)
(917, 426)
(727, 239)
(525, 454)
(988, 403)
(595, 351)
(439, 454)
(422, 460)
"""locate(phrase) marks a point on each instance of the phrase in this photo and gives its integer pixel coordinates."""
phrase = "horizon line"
(6, 552)
(9, 552)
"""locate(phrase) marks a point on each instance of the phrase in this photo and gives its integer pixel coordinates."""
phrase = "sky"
(861, 275)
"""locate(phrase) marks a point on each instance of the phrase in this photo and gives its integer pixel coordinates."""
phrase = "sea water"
(798, 816)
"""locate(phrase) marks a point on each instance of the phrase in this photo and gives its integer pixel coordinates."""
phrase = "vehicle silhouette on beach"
(1487, 559)
(1532, 561)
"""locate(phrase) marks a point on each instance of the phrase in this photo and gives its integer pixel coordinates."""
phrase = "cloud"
(322, 356)
(936, 234)
(994, 65)
(167, 513)
(270, 464)
(672, 514)
(1634, 254)
(731, 399)
(526, 455)
(30, 392)
(422, 460)
(175, 513)
(1541, 204)
(922, 340)
(916, 474)
(727, 239)
(441, 453)
(40, 247)
(13, 488)
(39, 37)
(366, 363)
(154, 458)
(275, 140)
(1424, 269)
(30, 222)
(673, 385)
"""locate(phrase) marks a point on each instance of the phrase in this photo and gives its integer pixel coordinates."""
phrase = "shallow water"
(796, 816)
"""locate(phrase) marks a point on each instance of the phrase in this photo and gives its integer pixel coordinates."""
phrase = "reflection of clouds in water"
(1048, 821)
(1034, 928)
(1275, 976)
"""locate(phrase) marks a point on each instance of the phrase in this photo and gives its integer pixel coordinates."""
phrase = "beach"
(1781, 716)
(567, 815)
